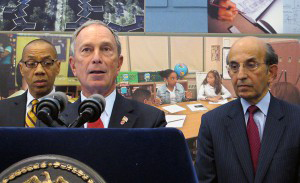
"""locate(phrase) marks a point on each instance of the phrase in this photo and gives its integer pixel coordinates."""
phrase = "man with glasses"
(39, 66)
(255, 138)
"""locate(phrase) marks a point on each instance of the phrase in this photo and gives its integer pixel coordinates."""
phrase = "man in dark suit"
(39, 66)
(96, 61)
(255, 138)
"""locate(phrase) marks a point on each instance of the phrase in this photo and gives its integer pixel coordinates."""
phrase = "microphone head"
(60, 97)
(91, 108)
(99, 98)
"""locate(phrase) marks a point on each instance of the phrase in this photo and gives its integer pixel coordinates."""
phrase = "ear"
(72, 65)
(22, 65)
(273, 69)
(120, 63)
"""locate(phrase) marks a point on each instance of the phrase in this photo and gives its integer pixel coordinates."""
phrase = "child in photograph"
(212, 89)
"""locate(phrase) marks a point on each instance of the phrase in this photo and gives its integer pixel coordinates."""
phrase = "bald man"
(39, 66)
(255, 138)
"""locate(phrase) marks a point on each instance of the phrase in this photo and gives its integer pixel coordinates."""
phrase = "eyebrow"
(33, 57)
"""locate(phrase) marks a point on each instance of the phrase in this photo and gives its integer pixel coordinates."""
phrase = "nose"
(242, 73)
(39, 70)
(97, 58)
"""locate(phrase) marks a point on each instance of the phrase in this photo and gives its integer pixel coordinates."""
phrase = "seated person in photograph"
(96, 61)
(142, 95)
(286, 91)
(171, 92)
(39, 67)
(21, 82)
(212, 89)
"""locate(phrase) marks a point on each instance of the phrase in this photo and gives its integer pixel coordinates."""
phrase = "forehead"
(249, 48)
(39, 49)
(94, 33)
(173, 74)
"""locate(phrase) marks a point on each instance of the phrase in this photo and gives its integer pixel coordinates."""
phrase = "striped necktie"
(31, 115)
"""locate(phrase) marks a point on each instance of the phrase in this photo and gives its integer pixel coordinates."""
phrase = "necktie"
(31, 115)
(253, 137)
(96, 124)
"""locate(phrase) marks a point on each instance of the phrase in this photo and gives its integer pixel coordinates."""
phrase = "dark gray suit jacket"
(223, 149)
(139, 115)
(13, 110)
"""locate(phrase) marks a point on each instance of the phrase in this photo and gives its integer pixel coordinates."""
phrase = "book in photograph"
(266, 13)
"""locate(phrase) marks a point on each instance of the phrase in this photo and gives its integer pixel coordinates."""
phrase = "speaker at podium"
(117, 155)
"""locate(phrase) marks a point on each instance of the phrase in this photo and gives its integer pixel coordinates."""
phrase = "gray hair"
(97, 22)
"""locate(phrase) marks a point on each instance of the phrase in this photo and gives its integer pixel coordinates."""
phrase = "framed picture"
(215, 53)
(225, 52)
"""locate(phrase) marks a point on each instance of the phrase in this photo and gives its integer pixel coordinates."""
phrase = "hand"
(188, 94)
(229, 12)
(213, 99)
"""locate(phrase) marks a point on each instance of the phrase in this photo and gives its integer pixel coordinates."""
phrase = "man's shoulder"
(11, 100)
(141, 106)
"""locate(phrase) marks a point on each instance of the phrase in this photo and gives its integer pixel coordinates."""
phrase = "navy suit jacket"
(13, 110)
(139, 115)
(223, 150)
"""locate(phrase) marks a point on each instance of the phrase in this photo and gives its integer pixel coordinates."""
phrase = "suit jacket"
(13, 110)
(223, 149)
(139, 115)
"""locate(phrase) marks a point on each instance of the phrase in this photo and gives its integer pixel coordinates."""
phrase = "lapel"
(237, 130)
(273, 131)
(19, 105)
(122, 109)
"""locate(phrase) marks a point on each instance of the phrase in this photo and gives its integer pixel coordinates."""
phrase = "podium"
(118, 155)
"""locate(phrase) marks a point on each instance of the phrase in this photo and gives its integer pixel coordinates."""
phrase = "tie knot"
(34, 102)
(252, 109)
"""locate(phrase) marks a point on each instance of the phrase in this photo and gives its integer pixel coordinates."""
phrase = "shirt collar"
(30, 97)
(263, 104)
(109, 100)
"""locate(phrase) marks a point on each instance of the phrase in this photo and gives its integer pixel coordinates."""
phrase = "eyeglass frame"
(257, 64)
(37, 62)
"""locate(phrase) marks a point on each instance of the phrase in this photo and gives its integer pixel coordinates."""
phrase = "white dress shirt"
(261, 115)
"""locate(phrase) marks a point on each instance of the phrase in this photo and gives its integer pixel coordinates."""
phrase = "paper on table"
(173, 108)
(175, 120)
(219, 102)
(196, 107)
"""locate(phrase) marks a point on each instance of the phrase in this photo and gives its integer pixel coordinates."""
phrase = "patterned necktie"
(253, 137)
(31, 115)
(96, 124)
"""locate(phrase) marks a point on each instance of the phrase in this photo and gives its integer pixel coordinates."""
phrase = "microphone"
(50, 106)
(90, 110)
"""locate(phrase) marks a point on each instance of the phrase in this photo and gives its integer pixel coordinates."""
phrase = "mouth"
(96, 72)
(41, 82)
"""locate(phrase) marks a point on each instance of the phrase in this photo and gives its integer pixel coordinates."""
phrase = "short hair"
(141, 94)
(270, 58)
(92, 22)
(165, 73)
(37, 41)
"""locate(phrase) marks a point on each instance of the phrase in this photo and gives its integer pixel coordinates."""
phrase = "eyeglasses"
(34, 63)
(249, 65)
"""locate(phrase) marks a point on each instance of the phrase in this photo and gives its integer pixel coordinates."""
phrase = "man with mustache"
(96, 61)
(39, 66)
(255, 138)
